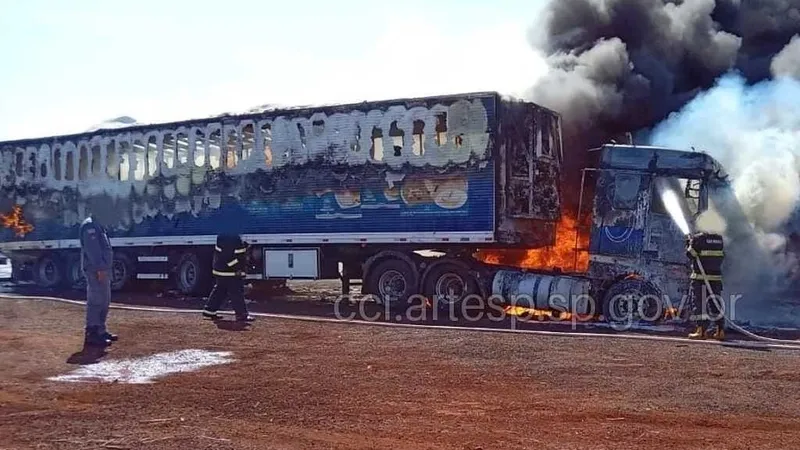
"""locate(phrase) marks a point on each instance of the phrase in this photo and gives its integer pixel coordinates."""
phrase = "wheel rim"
(633, 305)
(392, 284)
(48, 272)
(450, 288)
(624, 306)
(118, 271)
(647, 306)
(188, 274)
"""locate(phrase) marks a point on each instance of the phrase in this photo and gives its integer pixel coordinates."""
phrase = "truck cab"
(637, 243)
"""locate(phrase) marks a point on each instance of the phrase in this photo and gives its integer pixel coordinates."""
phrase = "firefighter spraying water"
(705, 251)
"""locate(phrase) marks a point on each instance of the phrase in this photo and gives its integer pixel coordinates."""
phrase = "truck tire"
(17, 273)
(393, 281)
(192, 277)
(121, 271)
(449, 278)
(48, 272)
(632, 301)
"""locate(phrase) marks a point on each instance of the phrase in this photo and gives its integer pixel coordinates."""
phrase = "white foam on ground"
(145, 370)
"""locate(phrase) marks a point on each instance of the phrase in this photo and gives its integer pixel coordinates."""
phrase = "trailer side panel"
(404, 169)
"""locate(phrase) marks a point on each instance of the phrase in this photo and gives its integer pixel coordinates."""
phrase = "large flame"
(569, 253)
(16, 222)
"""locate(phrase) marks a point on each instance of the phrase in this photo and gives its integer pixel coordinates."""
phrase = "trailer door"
(531, 153)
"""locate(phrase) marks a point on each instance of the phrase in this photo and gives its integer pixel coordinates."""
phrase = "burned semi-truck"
(354, 191)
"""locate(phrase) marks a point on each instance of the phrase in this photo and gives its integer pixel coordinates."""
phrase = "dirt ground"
(301, 385)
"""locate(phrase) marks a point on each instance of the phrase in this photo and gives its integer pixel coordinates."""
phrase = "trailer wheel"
(121, 270)
(48, 272)
(448, 284)
(393, 281)
(191, 277)
(632, 301)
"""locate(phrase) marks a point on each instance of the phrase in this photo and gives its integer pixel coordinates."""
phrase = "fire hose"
(737, 327)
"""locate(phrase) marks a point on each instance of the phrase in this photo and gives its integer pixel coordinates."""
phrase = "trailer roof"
(261, 114)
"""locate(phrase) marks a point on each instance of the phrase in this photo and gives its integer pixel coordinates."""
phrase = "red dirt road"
(299, 385)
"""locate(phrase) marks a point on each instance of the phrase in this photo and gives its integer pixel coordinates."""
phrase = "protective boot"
(718, 334)
(698, 333)
(211, 315)
(110, 337)
(94, 339)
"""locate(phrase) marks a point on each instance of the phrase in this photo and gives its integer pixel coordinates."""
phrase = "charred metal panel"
(621, 205)
(530, 150)
(664, 240)
(626, 222)
(662, 161)
(396, 166)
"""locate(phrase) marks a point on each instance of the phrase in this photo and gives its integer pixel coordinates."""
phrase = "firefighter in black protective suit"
(707, 307)
(229, 268)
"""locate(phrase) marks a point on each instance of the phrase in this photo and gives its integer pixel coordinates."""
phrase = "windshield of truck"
(688, 193)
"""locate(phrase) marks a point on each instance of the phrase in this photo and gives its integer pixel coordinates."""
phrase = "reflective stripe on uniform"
(718, 253)
(233, 262)
(223, 274)
(217, 249)
(240, 250)
(697, 276)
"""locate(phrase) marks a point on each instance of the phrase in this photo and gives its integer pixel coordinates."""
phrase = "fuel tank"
(541, 291)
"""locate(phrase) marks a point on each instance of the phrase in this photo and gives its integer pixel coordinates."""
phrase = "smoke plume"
(621, 66)
(787, 62)
(754, 132)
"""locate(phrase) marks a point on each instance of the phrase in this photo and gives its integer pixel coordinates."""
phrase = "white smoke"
(787, 62)
(115, 123)
(754, 132)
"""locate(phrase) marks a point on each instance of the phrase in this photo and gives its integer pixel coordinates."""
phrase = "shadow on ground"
(230, 325)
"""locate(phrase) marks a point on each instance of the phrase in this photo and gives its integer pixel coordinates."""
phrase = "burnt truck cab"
(637, 249)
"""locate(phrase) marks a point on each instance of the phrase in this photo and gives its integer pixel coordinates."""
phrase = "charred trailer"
(398, 194)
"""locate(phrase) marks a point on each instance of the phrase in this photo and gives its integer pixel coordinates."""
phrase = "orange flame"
(16, 222)
(562, 255)
(530, 314)
(538, 314)
(541, 315)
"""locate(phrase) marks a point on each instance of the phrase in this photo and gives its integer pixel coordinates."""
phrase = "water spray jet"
(674, 203)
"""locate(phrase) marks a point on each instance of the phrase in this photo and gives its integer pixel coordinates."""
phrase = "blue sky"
(70, 64)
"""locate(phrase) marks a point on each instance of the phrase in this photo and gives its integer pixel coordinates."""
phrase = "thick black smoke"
(626, 65)
(623, 65)
(765, 26)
